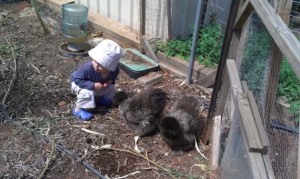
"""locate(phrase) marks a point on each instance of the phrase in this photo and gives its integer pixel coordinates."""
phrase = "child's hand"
(98, 86)
(106, 84)
(109, 82)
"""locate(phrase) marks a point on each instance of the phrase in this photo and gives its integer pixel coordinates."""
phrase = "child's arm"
(80, 78)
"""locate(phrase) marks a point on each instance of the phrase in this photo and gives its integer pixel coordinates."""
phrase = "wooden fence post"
(284, 10)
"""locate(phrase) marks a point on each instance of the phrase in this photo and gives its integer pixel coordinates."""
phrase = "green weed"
(289, 86)
(208, 47)
(6, 51)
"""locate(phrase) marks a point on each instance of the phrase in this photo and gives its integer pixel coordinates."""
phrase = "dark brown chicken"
(118, 98)
(181, 127)
(142, 111)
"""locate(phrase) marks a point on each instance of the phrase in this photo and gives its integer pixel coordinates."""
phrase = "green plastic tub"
(136, 64)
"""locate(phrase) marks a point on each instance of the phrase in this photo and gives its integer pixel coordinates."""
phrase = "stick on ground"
(14, 74)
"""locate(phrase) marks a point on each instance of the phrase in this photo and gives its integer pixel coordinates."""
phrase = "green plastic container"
(136, 64)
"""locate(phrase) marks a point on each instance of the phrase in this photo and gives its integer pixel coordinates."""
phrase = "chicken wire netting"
(156, 21)
(176, 19)
(234, 154)
(295, 18)
(282, 124)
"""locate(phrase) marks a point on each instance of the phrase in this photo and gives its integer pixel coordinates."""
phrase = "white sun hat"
(107, 53)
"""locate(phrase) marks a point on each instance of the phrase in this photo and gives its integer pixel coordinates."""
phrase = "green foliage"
(208, 47)
(289, 86)
(254, 63)
(6, 51)
(180, 48)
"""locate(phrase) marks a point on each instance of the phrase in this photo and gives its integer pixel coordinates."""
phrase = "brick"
(149, 79)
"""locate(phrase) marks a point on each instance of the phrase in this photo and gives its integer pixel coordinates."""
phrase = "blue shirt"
(86, 76)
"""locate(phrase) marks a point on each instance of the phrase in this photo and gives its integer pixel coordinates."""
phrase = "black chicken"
(118, 98)
(182, 126)
(142, 111)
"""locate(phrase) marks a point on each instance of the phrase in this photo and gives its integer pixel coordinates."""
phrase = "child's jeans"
(86, 98)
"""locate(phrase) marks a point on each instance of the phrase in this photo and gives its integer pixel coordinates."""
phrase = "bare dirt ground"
(39, 104)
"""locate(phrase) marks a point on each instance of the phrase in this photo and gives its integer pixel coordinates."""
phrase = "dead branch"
(14, 74)
(45, 28)
(92, 132)
(48, 160)
(126, 176)
(136, 154)
(74, 156)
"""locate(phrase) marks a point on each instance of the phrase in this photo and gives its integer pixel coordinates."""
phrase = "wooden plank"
(234, 46)
(258, 122)
(257, 166)
(224, 91)
(268, 167)
(248, 123)
(56, 5)
(284, 10)
(235, 86)
(201, 75)
(245, 87)
(275, 63)
(244, 12)
(256, 163)
(147, 49)
(234, 78)
(114, 29)
(281, 34)
(215, 146)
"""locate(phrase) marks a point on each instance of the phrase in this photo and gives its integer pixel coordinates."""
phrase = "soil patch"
(132, 58)
(40, 102)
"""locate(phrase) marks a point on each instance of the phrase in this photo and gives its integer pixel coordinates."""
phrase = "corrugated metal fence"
(156, 22)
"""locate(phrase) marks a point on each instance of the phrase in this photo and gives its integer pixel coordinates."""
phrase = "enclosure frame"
(275, 21)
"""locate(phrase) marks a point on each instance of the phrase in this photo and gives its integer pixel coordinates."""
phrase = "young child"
(93, 83)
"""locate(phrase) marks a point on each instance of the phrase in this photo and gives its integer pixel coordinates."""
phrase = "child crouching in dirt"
(93, 83)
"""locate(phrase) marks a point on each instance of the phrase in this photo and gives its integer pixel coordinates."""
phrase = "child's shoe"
(82, 115)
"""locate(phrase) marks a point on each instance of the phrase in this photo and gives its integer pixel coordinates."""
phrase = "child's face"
(98, 68)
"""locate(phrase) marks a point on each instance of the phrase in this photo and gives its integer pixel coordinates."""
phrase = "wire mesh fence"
(254, 66)
(282, 125)
(295, 18)
(180, 16)
(156, 22)
(217, 10)
(235, 163)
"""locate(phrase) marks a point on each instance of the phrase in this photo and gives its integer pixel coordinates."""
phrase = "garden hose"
(76, 157)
